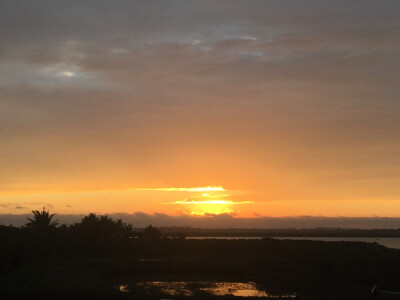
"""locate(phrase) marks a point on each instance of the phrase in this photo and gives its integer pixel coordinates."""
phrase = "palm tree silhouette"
(41, 220)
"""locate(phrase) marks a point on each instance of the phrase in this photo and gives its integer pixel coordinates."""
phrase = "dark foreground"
(320, 270)
(95, 262)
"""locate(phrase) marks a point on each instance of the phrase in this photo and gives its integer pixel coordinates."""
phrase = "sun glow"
(201, 201)
(209, 203)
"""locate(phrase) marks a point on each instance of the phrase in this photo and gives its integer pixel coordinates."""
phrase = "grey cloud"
(57, 24)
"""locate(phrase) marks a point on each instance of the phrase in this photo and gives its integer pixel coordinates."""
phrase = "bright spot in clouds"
(67, 73)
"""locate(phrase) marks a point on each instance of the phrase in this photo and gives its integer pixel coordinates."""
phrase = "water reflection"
(236, 289)
(182, 288)
(240, 289)
(123, 288)
(166, 287)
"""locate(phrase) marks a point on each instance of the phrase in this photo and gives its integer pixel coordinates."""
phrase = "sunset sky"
(244, 108)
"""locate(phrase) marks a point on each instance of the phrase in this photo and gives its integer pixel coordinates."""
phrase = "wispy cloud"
(25, 205)
(183, 189)
(192, 201)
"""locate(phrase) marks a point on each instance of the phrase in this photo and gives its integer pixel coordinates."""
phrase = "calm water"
(240, 289)
(183, 288)
(387, 242)
(225, 237)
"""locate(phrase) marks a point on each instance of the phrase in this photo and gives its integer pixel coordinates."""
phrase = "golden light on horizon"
(211, 210)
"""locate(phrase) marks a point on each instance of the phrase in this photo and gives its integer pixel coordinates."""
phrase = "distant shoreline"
(291, 232)
(389, 242)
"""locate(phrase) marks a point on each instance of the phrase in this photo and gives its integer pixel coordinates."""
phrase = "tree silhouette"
(91, 220)
(104, 227)
(42, 220)
(99, 234)
(151, 232)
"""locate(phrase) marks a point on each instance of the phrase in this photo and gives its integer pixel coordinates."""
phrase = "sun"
(209, 204)
(205, 201)
(211, 209)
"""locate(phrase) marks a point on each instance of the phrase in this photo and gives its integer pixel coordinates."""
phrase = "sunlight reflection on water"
(123, 288)
(235, 289)
(169, 288)
(239, 289)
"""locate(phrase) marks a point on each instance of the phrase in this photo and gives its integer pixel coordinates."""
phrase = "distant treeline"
(189, 231)
(284, 232)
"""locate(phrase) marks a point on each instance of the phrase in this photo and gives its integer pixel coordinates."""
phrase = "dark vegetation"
(92, 258)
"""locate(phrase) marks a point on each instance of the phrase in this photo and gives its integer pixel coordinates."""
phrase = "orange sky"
(291, 109)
